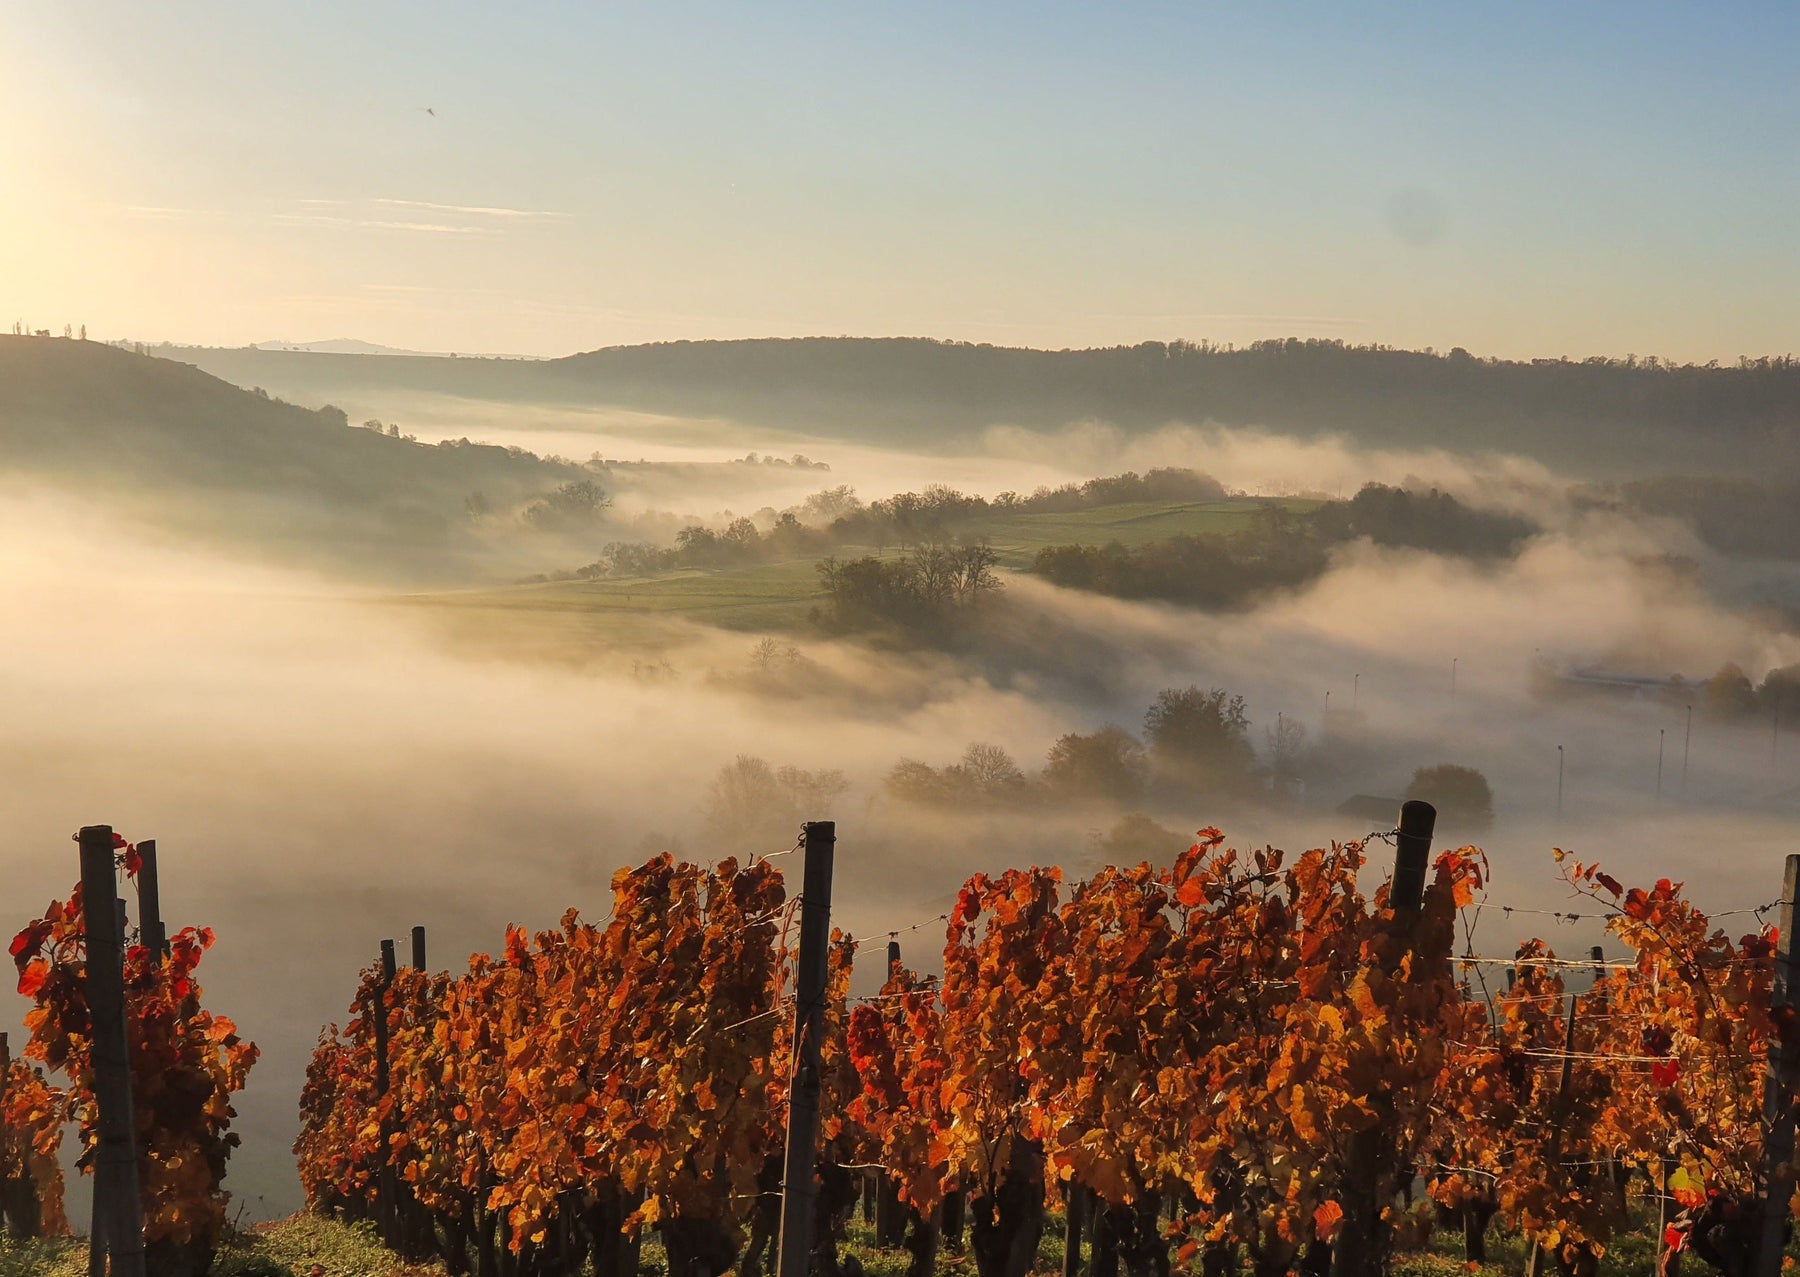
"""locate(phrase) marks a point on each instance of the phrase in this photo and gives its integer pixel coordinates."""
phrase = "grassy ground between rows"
(294, 1247)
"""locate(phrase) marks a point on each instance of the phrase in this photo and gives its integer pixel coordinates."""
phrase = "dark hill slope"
(1592, 414)
(176, 448)
(1601, 417)
(75, 409)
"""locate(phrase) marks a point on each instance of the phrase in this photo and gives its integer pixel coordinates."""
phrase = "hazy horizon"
(1526, 182)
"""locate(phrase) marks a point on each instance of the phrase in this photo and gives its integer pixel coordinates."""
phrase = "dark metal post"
(379, 1011)
(1074, 1200)
(154, 935)
(890, 1220)
(1778, 1091)
(797, 1190)
(1687, 739)
(1362, 1243)
(386, 1214)
(1534, 1266)
(418, 939)
(118, 1212)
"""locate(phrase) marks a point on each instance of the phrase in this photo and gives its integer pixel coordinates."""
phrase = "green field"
(1018, 537)
(628, 612)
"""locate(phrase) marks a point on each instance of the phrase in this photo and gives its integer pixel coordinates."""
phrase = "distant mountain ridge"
(1604, 418)
(338, 346)
(356, 346)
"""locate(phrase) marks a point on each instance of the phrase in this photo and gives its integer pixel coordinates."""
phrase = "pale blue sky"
(1518, 179)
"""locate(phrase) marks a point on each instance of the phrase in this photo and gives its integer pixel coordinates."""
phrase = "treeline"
(924, 593)
(1567, 411)
(1194, 744)
(1585, 413)
(1731, 693)
(1749, 517)
(1280, 549)
(835, 518)
(1196, 741)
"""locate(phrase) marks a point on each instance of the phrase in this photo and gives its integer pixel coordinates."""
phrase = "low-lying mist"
(323, 769)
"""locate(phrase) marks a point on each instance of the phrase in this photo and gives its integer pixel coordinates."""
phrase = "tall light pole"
(1453, 661)
(1687, 736)
(1559, 781)
(1355, 685)
(1660, 733)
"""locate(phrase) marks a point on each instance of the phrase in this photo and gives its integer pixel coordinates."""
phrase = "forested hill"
(1601, 417)
(76, 409)
(178, 448)
(1582, 412)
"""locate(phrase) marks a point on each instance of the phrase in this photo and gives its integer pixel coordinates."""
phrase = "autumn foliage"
(1266, 1047)
(186, 1064)
(31, 1135)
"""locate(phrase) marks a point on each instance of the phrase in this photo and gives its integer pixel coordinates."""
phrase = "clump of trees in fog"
(1757, 518)
(1280, 549)
(1136, 839)
(926, 592)
(1104, 766)
(1461, 795)
(570, 508)
(752, 801)
(1199, 738)
(1195, 742)
(985, 776)
(799, 461)
(1201, 571)
(1730, 693)
(1430, 520)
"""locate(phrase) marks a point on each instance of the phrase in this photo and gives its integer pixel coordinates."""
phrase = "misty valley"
(371, 642)
(900, 640)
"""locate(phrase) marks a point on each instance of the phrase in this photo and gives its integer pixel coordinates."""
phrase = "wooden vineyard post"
(1778, 1091)
(153, 934)
(386, 1216)
(1412, 856)
(1359, 1249)
(1074, 1199)
(118, 1230)
(797, 1191)
(1534, 1266)
(412, 1224)
(890, 1221)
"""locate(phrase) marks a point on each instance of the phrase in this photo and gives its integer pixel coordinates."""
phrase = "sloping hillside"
(1605, 418)
(80, 408)
(178, 447)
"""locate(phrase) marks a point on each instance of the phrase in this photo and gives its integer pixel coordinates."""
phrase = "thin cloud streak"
(364, 223)
(471, 210)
